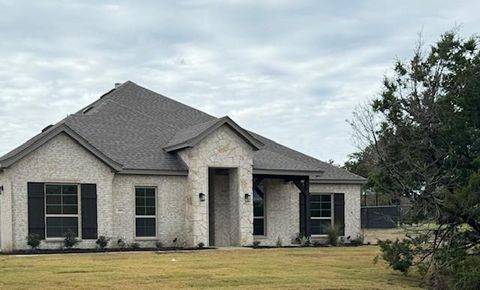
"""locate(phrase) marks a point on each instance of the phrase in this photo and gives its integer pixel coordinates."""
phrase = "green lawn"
(318, 268)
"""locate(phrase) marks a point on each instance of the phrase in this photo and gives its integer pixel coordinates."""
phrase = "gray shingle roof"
(130, 125)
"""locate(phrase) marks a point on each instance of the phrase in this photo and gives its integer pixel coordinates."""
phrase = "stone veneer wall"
(5, 212)
(59, 160)
(180, 214)
(222, 148)
(282, 210)
(63, 160)
(352, 204)
(170, 208)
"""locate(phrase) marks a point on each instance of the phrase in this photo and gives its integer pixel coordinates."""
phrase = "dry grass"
(373, 235)
(319, 268)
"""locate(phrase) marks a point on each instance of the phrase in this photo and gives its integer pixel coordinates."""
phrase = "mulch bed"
(110, 250)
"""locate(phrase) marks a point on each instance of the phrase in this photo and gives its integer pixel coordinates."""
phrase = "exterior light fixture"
(247, 197)
(1, 189)
(201, 196)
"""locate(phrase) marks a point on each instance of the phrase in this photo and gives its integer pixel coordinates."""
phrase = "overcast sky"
(292, 71)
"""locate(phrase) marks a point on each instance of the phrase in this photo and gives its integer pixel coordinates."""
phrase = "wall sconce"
(247, 197)
(201, 196)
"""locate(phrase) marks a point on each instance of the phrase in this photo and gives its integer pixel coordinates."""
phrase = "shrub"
(332, 233)
(121, 243)
(467, 274)
(397, 254)
(70, 239)
(33, 240)
(305, 242)
(201, 245)
(279, 242)
(102, 242)
(158, 245)
(256, 244)
(134, 246)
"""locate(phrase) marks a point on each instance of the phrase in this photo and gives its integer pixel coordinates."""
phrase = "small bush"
(201, 245)
(158, 245)
(279, 242)
(332, 233)
(33, 240)
(256, 244)
(305, 242)
(134, 246)
(70, 239)
(121, 243)
(102, 242)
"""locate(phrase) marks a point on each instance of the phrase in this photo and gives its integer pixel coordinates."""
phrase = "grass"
(319, 268)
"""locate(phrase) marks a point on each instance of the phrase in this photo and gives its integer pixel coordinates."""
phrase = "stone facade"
(282, 212)
(59, 160)
(180, 213)
(221, 149)
(62, 160)
(170, 208)
(352, 204)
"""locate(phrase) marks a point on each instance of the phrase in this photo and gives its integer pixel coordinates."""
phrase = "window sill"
(262, 237)
(143, 239)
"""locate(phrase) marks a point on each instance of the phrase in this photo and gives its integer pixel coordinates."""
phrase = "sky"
(292, 71)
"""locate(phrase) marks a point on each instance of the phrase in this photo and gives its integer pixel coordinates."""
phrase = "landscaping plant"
(33, 240)
(421, 140)
(70, 239)
(102, 242)
(332, 234)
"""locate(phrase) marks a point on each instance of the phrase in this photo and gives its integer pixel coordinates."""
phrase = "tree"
(422, 136)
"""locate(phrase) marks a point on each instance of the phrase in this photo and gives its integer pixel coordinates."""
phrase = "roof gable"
(49, 134)
(191, 136)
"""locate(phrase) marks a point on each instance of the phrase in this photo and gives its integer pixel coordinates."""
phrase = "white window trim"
(78, 215)
(142, 238)
(324, 218)
(264, 217)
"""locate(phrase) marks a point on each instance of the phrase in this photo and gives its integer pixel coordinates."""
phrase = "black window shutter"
(89, 211)
(339, 211)
(36, 208)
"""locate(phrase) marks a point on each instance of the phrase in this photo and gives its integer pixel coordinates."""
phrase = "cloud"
(290, 70)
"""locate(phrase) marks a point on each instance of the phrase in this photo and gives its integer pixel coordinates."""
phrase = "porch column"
(245, 186)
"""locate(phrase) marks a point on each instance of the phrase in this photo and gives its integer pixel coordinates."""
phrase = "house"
(138, 166)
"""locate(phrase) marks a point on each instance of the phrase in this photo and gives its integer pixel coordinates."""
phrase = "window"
(321, 213)
(61, 209)
(258, 213)
(145, 212)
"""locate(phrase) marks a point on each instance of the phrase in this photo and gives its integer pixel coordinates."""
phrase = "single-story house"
(141, 167)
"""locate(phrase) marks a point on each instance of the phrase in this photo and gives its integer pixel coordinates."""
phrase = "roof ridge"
(167, 98)
(144, 114)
